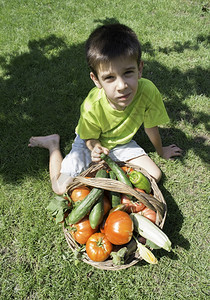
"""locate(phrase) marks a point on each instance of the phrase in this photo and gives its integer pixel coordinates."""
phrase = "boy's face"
(119, 79)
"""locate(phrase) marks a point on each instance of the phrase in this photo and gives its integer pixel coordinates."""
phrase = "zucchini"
(115, 196)
(97, 212)
(150, 231)
(121, 176)
(84, 207)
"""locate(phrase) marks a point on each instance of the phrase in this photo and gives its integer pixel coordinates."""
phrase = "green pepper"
(140, 181)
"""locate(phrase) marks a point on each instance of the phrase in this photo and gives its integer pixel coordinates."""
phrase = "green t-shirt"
(98, 120)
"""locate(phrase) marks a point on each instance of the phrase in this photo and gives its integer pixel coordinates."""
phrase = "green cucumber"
(84, 207)
(97, 212)
(114, 196)
(121, 176)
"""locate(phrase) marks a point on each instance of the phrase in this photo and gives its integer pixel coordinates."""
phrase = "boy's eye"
(109, 77)
(128, 72)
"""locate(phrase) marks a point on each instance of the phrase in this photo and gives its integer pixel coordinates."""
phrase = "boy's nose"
(121, 84)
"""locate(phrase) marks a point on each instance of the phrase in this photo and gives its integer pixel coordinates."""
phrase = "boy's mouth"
(124, 97)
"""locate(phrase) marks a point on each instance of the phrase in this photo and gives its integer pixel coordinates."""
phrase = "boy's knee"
(157, 174)
(61, 184)
(59, 190)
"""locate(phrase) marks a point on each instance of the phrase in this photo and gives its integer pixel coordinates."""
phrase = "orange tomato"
(118, 228)
(79, 193)
(98, 247)
(82, 230)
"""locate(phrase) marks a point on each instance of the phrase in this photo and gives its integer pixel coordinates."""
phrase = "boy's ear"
(95, 80)
(141, 65)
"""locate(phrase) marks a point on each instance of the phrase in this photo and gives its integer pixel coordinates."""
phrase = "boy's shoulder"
(147, 88)
(146, 83)
(93, 98)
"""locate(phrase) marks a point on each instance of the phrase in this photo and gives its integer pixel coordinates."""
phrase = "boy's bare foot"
(48, 141)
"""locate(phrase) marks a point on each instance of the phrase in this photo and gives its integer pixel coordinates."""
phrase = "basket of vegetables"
(113, 215)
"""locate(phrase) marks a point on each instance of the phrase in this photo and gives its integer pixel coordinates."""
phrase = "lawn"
(43, 81)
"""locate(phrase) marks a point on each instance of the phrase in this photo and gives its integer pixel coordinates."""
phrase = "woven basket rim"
(159, 205)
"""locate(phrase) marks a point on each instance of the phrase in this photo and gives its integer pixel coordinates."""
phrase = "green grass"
(43, 81)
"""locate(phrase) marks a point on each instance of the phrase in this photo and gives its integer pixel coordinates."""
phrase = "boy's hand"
(171, 151)
(96, 153)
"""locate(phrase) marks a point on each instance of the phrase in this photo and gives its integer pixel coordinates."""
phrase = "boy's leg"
(59, 181)
(146, 163)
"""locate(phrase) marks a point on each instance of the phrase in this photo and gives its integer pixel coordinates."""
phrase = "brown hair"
(108, 42)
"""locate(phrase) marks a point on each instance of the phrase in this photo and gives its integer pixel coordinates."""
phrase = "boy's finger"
(176, 147)
(176, 153)
(106, 151)
(96, 159)
(97, 150)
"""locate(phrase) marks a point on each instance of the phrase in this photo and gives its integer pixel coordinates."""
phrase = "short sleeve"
(87, 129)
(155, 113)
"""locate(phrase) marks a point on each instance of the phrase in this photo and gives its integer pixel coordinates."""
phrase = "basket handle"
(117, 186)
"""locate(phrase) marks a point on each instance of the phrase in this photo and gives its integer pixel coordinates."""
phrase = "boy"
(112, 112)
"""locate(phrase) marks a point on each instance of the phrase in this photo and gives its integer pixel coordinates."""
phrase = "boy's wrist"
(160, 151)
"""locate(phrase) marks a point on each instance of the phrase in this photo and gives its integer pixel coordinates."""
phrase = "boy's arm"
(165, 152)
(96, 149)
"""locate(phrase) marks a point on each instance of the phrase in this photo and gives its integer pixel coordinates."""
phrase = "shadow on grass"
(173, 223)
(41, 91)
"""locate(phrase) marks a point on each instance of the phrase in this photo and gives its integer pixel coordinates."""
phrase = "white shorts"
(79, 158)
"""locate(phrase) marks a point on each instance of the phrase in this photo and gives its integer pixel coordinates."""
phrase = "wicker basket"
(155, 202)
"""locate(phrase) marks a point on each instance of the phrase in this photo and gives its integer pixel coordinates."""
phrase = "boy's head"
(109, 42)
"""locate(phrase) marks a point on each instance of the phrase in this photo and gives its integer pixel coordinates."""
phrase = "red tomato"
(82, 230)
(130, 205)
(79, 193)
(98, 247)
(149, 214)
(118, 228)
